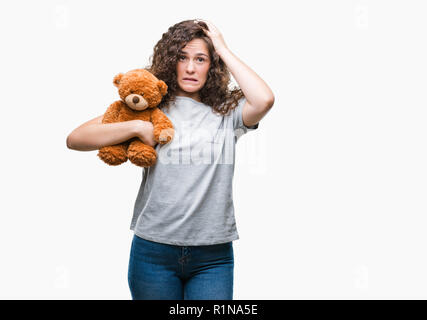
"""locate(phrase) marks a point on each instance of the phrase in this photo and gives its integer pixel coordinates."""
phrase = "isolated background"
(330, 191)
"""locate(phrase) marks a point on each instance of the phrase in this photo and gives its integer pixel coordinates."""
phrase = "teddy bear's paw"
(142, 155)
(144, 160)
(112, 156)
(145, 163)
(166, 135)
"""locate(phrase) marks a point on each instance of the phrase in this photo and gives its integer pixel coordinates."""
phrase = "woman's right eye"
(181, 57)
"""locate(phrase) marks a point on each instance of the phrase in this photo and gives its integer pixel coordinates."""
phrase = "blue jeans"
(159, 271)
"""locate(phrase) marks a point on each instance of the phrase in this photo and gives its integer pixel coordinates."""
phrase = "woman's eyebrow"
(197, 54)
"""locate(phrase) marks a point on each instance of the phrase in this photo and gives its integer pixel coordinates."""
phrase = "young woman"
(183, 218)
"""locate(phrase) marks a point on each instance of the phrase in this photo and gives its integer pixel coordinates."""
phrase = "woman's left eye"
(201, 59)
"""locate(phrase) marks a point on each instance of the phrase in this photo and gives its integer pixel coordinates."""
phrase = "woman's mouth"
(190, 80)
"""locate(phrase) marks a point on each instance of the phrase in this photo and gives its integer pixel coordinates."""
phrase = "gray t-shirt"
(185, 198)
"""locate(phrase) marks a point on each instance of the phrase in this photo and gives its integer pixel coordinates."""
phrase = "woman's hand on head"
(144, 130)
(214, 34)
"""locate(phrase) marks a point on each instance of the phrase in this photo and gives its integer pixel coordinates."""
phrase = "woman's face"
(192, 68)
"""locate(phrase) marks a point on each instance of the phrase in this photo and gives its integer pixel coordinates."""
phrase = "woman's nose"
(190, 66)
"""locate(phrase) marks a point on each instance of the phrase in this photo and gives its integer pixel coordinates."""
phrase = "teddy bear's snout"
(136, 102)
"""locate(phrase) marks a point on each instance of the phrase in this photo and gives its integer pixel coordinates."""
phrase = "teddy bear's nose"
(135, 99)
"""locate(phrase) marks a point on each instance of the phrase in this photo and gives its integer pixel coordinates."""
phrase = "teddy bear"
(140, 92)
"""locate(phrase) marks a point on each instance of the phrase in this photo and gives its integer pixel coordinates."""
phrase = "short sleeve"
(238, 125)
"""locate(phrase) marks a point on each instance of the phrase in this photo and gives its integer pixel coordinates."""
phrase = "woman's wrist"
(137, 128)
(144, 131)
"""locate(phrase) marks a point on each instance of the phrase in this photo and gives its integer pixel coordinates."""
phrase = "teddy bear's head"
(140, 89)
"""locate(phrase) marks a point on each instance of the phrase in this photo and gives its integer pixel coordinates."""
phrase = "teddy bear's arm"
(112, 113)
(163, 127)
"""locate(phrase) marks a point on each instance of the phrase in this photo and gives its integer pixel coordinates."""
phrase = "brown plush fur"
(141, 92)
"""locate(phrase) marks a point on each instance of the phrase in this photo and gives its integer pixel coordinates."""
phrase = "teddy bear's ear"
(163, 87)
(117, 79)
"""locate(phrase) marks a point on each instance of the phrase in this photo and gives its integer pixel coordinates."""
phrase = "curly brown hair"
(215, 93)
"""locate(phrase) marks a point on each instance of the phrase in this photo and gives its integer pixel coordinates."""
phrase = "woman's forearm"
(256, 91)
(96, 136)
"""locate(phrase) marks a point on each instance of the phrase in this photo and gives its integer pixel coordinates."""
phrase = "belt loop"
(184, 250)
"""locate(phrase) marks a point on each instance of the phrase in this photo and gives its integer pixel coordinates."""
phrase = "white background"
(330, 191)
